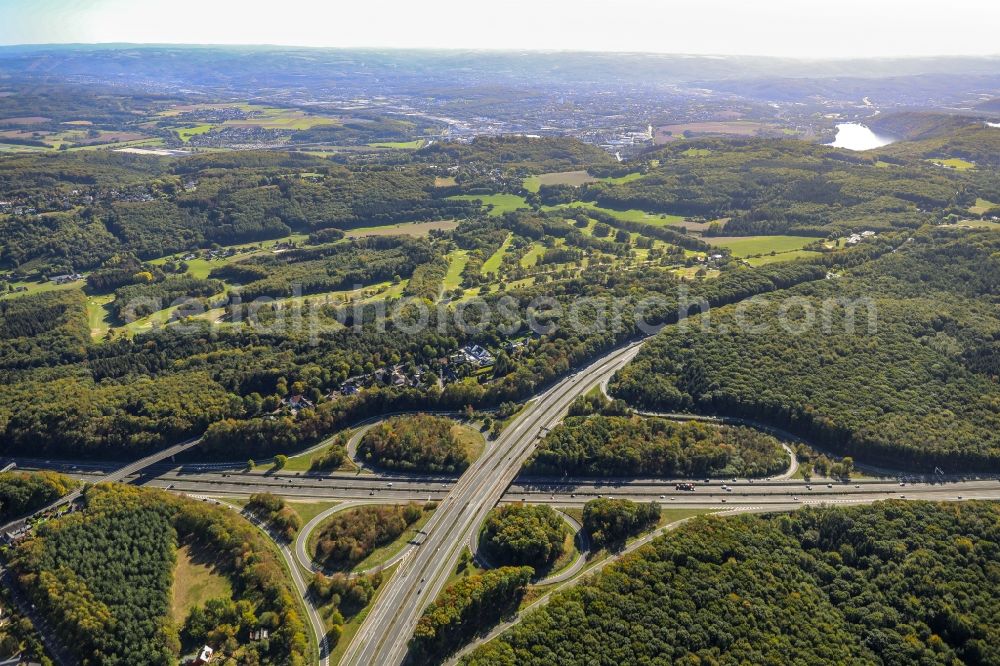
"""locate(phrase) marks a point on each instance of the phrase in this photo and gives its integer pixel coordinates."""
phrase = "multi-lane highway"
(117, 474)
(464, 502)
(383, 637)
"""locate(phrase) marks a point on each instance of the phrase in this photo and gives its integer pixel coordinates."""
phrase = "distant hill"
(916, 125)
(991, 106)
(971, 140)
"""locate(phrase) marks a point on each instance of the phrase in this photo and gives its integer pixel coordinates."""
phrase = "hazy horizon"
(805, 30)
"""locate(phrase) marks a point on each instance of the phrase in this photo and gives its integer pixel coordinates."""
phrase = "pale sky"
(798, 28)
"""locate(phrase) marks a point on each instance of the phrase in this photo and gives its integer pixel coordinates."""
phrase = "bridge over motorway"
(117, 475)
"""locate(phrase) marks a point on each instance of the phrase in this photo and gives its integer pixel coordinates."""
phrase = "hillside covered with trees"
(893, 362)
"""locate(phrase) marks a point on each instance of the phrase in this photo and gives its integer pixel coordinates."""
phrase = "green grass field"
(39, 287)
(493, 263)
(631, 215)
(470, 439)
(98, 315)
(783, 256)
(627, 178)
(978, 224)
(185, 133)
(532, 256)
(746, 246)
(982, 205)
(197, 578)
(403, 229)
(309, 510)
(399, 145)
(574, 178)
(457, 259)
(502, 203)
(954, 163)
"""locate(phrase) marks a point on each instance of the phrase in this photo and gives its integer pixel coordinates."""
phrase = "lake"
(854, 136)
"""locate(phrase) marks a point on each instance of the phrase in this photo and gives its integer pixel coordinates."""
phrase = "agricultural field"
(403, 229)
(71, 138)
(954, 163)
(748, 246)
(416, 144)
(981, 206)
(632, 215)
(574, 178)
(501, 203)
(260, 116)
(667, 133)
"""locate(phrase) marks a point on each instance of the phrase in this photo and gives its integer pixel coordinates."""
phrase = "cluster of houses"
(22, 529)
(447, 370)
(221, 253)
(392, 376)
(854, 239)
(474, 355)
(444, 370)
(11, 208)
(296, 403)
(66, 278)
(204, 656)
(206, 653)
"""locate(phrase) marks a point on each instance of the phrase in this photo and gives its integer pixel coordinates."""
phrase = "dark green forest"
(464, 608)
(348, 537)
(649, 447)
(892, 584)
(609, 522)
(102, 577)
(423, 442)
(894, 361)
(523, 535)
